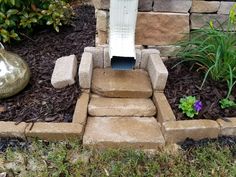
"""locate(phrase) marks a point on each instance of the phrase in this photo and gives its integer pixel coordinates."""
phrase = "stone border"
(51, 131)
(177, 131)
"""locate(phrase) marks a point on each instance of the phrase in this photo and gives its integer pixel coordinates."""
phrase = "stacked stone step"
(121, 113)
(121, 110)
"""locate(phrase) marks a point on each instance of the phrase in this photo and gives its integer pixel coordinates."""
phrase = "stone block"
(102, 37)
(11, 130)
(225, 7)
(81, 109)
(180, 6)
(138, 58)
(102, 20)
(86, 70)
(178, 131)
(154, 28)
(55, 131)
(157, 72)
(116, 132)
(121, 107)
(205, 6)
(107, 61)
(121, 84)
(168, 50)
(97, 53)
(200, 20)
(145, 5)
(64, 71)
(227, 126)
(145, 56)
(164, 111)
(101, 4)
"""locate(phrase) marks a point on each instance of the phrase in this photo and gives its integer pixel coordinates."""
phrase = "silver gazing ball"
(14, 73)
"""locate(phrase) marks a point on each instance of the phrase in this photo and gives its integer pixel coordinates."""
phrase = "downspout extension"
(123, 17)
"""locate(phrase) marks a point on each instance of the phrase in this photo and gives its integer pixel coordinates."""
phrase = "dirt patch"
(182, 81)
(39, 101)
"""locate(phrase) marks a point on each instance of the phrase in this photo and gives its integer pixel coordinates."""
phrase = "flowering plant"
(190, 106)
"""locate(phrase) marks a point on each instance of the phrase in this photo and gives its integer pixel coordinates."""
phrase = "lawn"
(41, 158)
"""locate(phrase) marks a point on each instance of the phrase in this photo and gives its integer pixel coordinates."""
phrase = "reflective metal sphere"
(14, 74)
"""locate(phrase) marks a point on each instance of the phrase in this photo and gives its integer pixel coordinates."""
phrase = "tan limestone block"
(123, 107)
(155, 28)
(121, 84)
(55, 131)
(157, 72)
(164, 110)
(81, 109)
(10, 129)
(102, 37)
(202, 20)
(145, 57)
(172, 5)
(64, 72)
(178, 131)
(168, 50)
(101, 4)
(102, 20)
(119, 132)
(86, 70)
(98, 55)
(225, 7)
(205, 6)
(228, 126)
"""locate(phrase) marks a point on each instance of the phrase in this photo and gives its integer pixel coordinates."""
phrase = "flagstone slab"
(121, 84)
(118, 132)
(121, 107)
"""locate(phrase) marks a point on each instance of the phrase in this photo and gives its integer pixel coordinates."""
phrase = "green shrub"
(213, 51)
(16, 15)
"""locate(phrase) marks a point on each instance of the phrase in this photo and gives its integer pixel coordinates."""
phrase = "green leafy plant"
(18, 15)
(190, 106)
(227, 103)
(213, 51)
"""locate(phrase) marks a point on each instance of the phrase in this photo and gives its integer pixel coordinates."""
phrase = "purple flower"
(198, 105)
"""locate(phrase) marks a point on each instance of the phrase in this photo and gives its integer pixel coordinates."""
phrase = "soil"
(185, 81)
(39, 101)
(223, 141)
(14, 143)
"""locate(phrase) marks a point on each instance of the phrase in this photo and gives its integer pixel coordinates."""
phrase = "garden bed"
(182, 81)
(39, 101)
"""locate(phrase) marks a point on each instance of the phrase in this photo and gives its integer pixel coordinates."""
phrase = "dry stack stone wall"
(162, 23)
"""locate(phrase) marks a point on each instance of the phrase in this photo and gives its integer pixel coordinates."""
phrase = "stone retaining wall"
(162, 23)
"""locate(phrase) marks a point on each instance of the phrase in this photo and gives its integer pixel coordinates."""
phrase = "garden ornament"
(123, 16)
(14, 73)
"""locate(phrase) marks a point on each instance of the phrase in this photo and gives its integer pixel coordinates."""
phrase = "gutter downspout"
(123, 16)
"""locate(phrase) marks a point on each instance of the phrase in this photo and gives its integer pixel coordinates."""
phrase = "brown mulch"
(184, 81)
(39, 101)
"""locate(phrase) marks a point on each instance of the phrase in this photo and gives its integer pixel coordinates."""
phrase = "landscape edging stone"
(221, 127)
(48, 130)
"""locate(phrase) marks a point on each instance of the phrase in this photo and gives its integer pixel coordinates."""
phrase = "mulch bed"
(182, 81)
(39, 101)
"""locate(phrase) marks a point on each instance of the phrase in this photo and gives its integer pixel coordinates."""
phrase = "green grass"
(70, 159)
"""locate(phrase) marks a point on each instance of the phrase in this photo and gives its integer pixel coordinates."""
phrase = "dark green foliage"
(27, 14)
(227, 103)
(214, 52)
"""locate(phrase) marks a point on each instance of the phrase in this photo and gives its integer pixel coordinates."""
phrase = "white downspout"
(123, 16)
